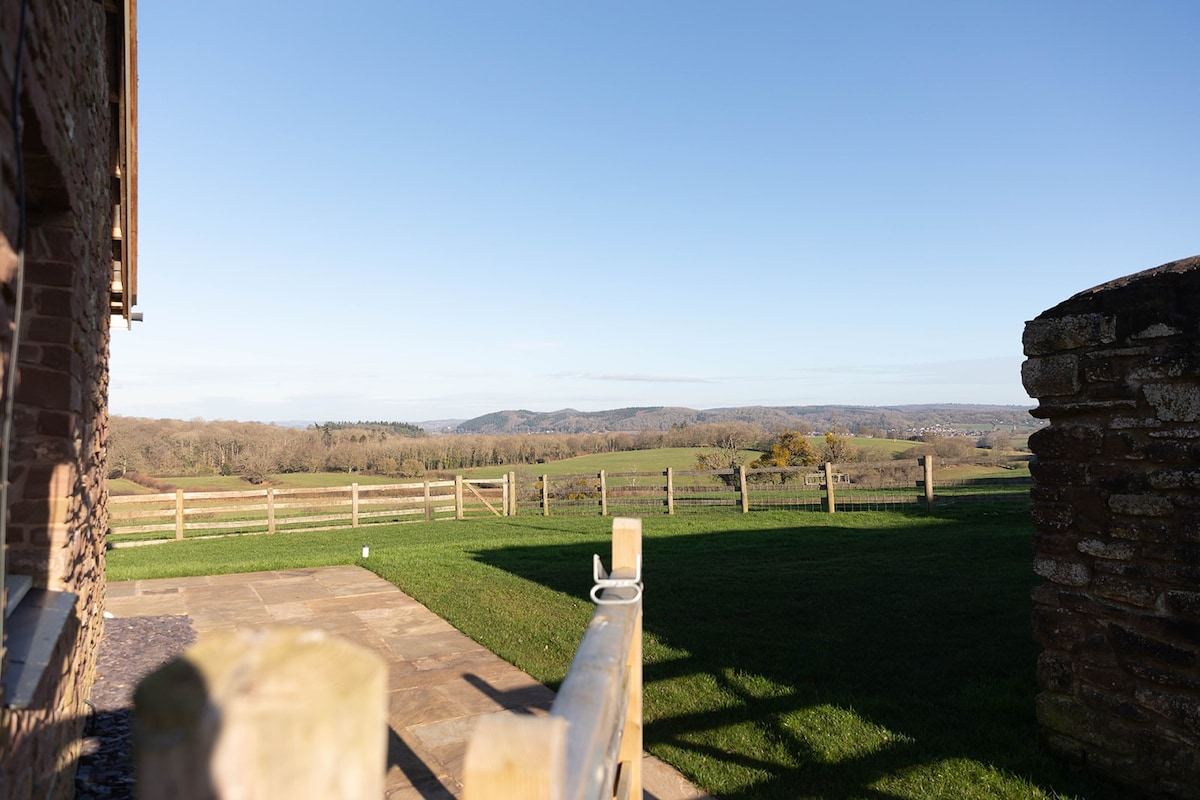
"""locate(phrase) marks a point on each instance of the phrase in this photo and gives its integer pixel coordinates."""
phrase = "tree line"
(254, 450)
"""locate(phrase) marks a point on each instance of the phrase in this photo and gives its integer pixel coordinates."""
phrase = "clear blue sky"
(426, 210)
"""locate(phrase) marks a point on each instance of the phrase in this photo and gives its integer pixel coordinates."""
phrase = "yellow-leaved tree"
(790, 449)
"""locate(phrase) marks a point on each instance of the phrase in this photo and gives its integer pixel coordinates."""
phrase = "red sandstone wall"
(1116, 507)
(57, 495)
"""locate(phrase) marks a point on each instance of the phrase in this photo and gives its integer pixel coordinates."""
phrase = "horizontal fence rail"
(141, 519)
(590, 746)
(897, 485)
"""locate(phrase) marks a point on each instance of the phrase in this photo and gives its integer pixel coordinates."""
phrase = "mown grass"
(865, 655)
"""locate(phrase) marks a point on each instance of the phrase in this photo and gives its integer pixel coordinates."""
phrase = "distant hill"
(886, 419)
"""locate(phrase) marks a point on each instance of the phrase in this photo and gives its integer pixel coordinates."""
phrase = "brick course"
(1116, 371)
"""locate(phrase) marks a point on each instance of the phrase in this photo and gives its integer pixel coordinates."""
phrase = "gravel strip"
(130, 649)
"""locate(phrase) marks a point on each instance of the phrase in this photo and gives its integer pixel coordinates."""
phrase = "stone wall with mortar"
(1116, 510)
(57, 492)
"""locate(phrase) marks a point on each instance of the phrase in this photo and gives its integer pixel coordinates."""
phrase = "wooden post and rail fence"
(590, 745)
(295, 712)
(143, 519)
(146, 518)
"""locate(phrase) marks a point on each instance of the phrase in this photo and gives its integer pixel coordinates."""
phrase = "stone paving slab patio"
(440, 682)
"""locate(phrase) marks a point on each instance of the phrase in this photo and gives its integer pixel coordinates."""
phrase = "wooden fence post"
(829, 486)
(626, 556)
(428, 504)
(179, 513)
(670, 491)
(927, 461)
(545, 495)
(270, 509)
(458, 497)
(512, 493)
(354, 505)
(273, 712)
(742, 488)
(516, 757)
(603, 495)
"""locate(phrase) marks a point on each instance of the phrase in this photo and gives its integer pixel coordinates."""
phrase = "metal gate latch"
(604, 581)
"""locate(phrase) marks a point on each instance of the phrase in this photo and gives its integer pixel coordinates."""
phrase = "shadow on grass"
(922, 630)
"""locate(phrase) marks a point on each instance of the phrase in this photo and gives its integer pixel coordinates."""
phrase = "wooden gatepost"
(591, 744)
(274, 712)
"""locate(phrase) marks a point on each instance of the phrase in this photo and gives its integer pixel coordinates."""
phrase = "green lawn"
(866, 655)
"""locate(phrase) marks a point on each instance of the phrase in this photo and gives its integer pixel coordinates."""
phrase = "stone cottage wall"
(56, 511)
(1116, 509)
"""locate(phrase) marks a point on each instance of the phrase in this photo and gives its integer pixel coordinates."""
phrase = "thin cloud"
(642, 378)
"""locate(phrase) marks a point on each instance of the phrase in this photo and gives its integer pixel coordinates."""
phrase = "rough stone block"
(1174, 402)
(1101, 372)
(1064, 407)
(1055, 335)
(1143, 505)
(1167, 452)
(1119, 478)
(1067, 442)
(1059, 473)
(1053, 517)
(1174, 479)
(1172, 365)
(1133, 646)
(1157, 330)
(1185, 433)
(1059, 541)
(1058, 630)
(1067, 573)
(1126, 591)
(1051, 376)
(1134, 422)
(1103, 549)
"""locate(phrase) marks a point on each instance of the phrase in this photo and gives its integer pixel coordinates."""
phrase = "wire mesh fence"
(879, 486)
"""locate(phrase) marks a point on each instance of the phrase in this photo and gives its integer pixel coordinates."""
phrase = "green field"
(658, 460)
(866, 655)
(233, 483)
(677, 458)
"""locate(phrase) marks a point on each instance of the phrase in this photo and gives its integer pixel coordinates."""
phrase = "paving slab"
(440, 682)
